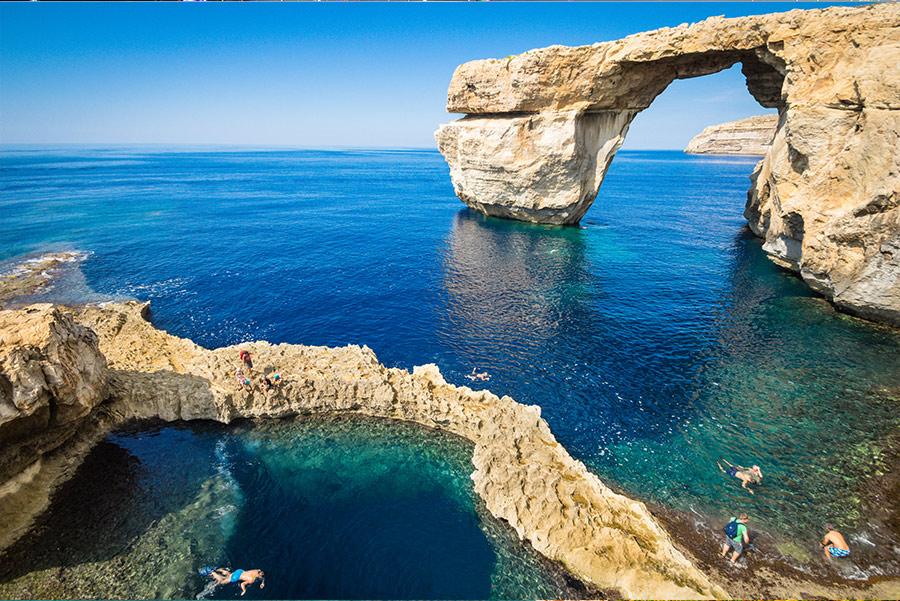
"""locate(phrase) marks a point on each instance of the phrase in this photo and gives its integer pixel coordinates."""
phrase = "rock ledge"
(523, 474)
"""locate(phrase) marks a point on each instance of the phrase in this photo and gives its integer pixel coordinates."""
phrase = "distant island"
(750, 136)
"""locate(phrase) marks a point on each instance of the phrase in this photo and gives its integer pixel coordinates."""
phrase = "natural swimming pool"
(657, 338)
(332, 508)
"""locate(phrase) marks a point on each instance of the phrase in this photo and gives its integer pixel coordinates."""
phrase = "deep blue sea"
(657, 337)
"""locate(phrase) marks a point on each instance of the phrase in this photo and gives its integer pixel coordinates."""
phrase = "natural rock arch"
(541, 128)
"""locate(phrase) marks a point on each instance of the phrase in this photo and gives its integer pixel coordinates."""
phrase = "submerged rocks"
(750, 136)
(540, 129)
(523, 474)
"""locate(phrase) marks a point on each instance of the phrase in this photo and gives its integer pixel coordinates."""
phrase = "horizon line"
(15, 145)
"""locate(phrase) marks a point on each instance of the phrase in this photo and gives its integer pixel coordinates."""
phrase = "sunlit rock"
(542, 127)
(750, 136)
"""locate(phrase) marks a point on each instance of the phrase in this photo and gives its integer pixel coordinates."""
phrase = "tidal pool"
(329, 507)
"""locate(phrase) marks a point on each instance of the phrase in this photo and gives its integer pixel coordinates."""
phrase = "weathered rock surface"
(51, 372)
(523, 474)
(750, 136)
(542, 127)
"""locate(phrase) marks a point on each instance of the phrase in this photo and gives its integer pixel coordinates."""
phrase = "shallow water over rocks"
(328, 507)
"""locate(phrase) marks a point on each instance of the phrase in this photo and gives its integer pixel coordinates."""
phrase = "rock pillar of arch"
(541, 128)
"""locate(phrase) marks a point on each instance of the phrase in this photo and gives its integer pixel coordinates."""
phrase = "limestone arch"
(540, 129)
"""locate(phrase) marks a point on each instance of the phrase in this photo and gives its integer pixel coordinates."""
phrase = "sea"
(656, 337)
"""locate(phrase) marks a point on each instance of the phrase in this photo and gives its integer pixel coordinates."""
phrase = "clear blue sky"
(312, 75)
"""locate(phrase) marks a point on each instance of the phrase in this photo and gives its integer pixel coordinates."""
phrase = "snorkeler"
(747, 476)
(244, 577)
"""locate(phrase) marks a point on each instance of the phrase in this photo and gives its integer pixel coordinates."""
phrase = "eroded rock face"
(750, 136)
(825, 198)
(51, 371)
(523, 474)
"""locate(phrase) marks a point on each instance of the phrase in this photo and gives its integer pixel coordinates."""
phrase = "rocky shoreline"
(75, 373)
(105, 365)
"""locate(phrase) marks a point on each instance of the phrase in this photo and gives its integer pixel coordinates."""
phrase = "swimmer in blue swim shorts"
(244, 577)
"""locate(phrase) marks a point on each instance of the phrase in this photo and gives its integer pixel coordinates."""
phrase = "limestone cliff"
(541, 128)
(750, 136)
(523, 474)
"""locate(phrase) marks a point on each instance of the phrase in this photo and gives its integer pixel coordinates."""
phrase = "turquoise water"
(150, 507)
(657, 338)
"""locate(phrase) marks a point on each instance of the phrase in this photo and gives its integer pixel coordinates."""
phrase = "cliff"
(541, 128)
(523, 474)
(752, 136)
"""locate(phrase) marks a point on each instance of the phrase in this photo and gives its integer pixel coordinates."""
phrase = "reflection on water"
(651, 395)
(329, 508)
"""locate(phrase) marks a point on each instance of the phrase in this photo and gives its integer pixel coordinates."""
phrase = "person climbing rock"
(834, 545)
(747, 475)
(736, 536)
(244, 577)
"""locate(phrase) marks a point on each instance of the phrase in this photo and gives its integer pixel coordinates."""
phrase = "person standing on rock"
(246, 360)
(736, 536)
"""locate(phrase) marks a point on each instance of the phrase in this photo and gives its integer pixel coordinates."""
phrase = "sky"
(315, 75)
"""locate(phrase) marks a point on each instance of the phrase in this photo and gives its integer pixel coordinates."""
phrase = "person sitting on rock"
(834, 545)
(244, 577)
(747, 476)
(271, 381)
(242, 380)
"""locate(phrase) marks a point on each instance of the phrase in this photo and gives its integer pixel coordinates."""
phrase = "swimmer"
(476, 375)
(244, 577)
(834, 545)
(747, 476)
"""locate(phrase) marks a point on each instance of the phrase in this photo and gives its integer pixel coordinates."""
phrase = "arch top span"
(541, 128)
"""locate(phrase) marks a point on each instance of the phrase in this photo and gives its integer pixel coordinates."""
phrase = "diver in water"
(747, 475)
(244, 577)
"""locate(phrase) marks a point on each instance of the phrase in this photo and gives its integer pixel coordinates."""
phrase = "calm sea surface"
(657, 338)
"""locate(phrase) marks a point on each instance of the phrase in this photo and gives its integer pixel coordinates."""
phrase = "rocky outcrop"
(523, 474)
(541, 128)
(52, 376)
(750, 136)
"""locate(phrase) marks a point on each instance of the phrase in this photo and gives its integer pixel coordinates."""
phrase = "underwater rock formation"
(750, 136)
(541, 128)
(523, 474)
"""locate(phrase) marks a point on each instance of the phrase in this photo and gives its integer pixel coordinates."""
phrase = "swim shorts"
(835, 552)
